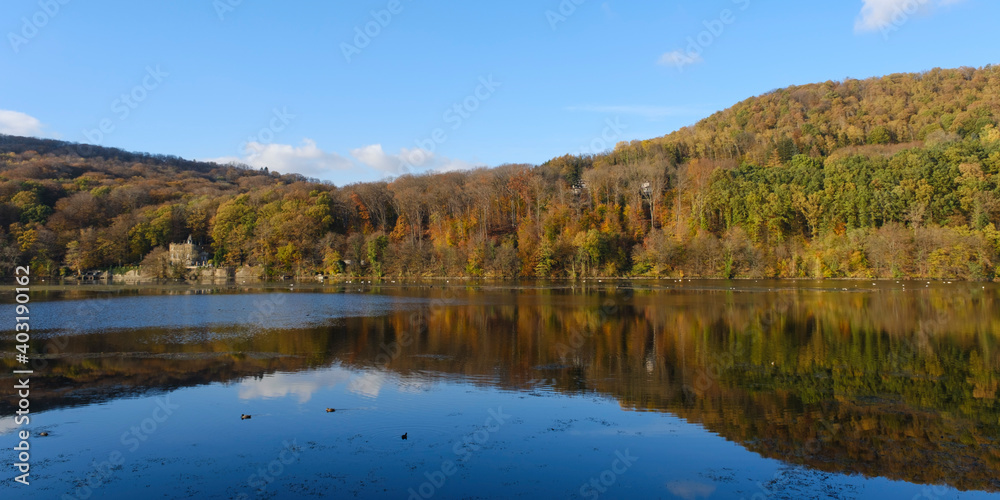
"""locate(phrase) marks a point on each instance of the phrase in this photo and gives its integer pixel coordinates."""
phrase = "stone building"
(187, 254)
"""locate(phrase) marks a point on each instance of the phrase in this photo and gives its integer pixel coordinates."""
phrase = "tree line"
(889, 177)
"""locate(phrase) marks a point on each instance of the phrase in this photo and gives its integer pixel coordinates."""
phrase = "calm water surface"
(689, 390)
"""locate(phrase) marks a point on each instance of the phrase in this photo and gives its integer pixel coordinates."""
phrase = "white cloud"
(224, 160)
(306, 159)
(651, 112)
(452, 165)
(406, 161)
(881, 14)
(679, 58)
(375, 157)
(309, 160)
(17, 123)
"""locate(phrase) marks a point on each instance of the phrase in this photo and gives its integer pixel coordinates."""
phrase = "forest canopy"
(888, 177)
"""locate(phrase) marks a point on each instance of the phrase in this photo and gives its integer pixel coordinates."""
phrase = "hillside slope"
(821, 118)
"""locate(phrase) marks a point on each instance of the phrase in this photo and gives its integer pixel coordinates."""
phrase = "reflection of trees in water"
(902, 384)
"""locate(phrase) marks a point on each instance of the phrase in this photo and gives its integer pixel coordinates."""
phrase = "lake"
(590, 389)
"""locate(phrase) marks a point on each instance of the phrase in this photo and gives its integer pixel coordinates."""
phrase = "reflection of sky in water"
(264, 311)
(7, 424)
(690, 490)
(303, 385)
(441, 390)
(550, 445)
(367, 384)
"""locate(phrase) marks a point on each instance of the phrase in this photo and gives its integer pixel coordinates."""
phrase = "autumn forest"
(892, 177)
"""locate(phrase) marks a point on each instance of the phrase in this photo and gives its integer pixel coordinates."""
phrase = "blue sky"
(299, 86)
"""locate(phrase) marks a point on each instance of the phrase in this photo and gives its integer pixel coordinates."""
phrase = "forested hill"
(887, 177)
(100, 158)
(821, 118)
